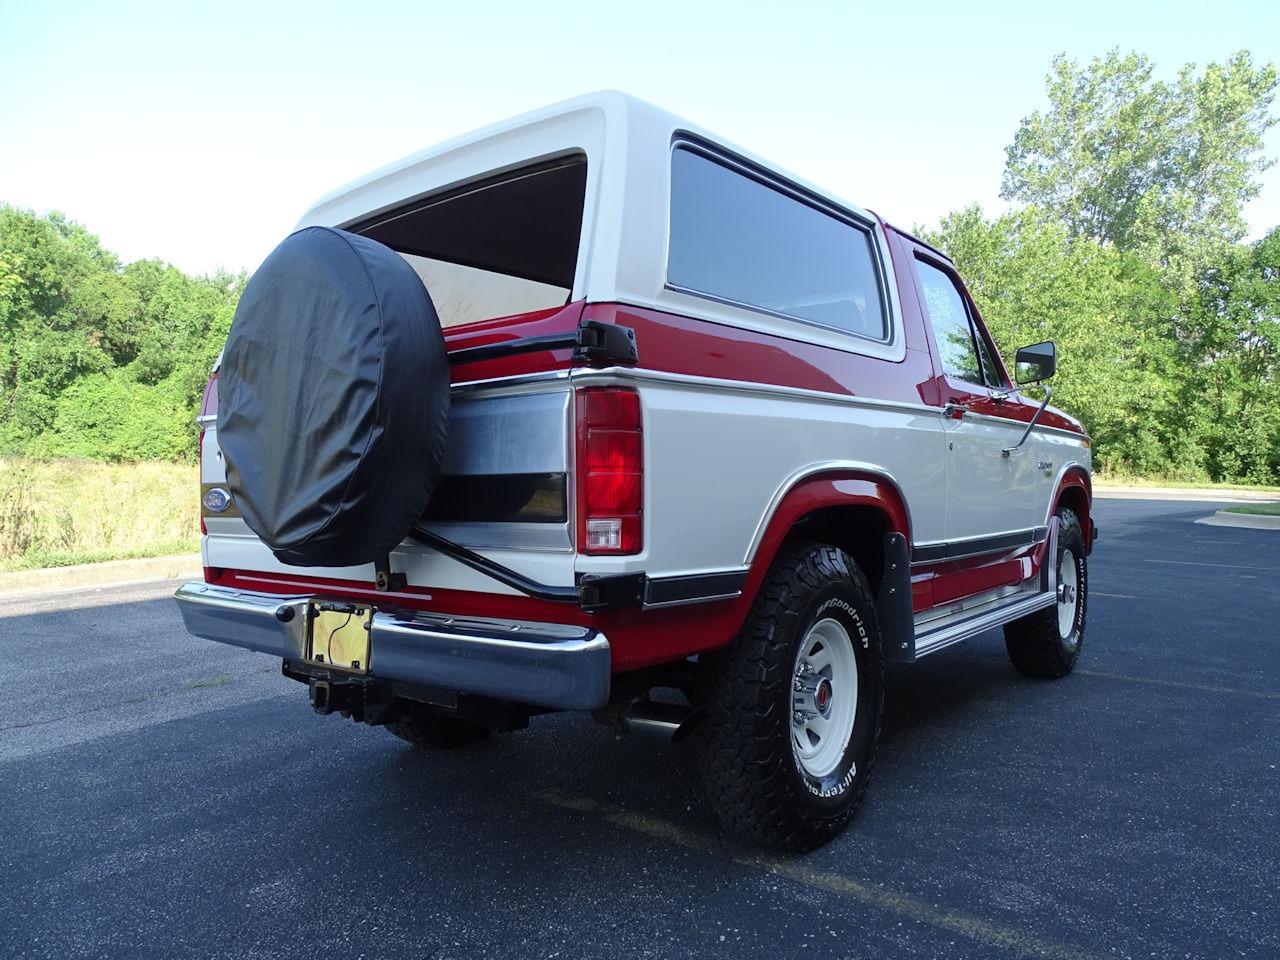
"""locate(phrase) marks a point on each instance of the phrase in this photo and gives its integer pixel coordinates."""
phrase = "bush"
(54, 513)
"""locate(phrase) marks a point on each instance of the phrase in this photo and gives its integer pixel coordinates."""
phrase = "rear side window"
(501, 246)
(738, 239)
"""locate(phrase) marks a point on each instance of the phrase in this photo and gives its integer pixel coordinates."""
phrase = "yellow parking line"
(905, 905)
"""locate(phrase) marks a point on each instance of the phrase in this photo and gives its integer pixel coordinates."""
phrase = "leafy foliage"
(1142, 164)
(1127, 253)
(97, 359)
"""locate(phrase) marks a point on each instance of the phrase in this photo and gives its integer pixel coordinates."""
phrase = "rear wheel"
(422, 728)
(1047, 643)
(794, 705)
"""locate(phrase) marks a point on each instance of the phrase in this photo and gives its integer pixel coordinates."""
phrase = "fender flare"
(1075, 475)
(829, 484)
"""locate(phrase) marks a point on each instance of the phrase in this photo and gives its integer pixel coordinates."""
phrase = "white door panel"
(987, 492)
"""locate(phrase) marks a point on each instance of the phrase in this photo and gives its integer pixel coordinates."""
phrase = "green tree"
(1106, 311)
(1130, 160)
(98, 359)
(1231, 352)
(46, 341)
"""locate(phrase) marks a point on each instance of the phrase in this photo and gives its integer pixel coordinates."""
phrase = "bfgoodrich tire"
(794, 705)
(1047, 643)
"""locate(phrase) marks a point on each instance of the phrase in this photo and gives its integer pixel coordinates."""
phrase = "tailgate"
(505, 491)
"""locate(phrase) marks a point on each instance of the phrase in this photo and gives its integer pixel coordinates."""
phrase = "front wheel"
(794, 705)
(1047, 643)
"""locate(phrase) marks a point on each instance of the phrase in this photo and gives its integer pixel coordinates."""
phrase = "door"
(990, 494)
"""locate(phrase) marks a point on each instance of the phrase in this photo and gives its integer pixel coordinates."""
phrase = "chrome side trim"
(750, 387)
(514, 382)
(587, 375)
(935, 551)
(559, 666)
(1022, 424)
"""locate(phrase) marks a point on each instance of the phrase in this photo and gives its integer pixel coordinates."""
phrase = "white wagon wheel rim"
(1068, 595)
(824, 698)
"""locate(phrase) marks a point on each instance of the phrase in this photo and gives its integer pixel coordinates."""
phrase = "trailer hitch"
(361, 698)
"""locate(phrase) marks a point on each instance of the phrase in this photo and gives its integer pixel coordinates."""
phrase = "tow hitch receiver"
(363, 699)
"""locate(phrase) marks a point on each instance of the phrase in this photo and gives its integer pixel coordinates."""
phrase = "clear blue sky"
(200, 132)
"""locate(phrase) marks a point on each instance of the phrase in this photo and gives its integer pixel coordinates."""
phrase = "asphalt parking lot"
(168, 797)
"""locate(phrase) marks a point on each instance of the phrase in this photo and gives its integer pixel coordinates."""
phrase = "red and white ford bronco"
(699, 448)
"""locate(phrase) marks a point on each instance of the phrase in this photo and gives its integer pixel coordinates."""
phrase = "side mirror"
(1036, 363)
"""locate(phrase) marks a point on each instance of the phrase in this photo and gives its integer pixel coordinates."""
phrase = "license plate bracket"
(339, 634)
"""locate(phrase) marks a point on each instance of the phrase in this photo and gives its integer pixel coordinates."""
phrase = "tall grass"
(59, 512)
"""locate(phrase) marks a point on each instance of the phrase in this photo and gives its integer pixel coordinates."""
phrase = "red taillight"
(610, 471)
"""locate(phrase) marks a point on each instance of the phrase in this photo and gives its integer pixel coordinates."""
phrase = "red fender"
(642, 638)
(1075, 490)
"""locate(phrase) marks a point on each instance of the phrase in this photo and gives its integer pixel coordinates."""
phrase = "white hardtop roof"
(609, 114)
(623, 245)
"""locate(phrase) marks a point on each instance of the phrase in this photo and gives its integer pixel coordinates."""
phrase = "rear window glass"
(738, 239)
(502, 246)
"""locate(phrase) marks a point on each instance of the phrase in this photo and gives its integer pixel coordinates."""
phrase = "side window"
(741, 240)
(950, 322)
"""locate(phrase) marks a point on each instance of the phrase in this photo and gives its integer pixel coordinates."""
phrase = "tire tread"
(1034, 645)
(743, 752)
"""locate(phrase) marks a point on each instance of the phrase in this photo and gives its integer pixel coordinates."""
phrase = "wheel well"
(857, 530)
(1075, 499)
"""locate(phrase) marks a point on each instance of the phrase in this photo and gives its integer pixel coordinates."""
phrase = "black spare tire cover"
(333, 399)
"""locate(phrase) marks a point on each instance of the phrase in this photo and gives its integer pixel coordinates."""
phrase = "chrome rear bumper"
(541, 664)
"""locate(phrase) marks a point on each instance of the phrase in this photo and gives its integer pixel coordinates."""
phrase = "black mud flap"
(893, 604)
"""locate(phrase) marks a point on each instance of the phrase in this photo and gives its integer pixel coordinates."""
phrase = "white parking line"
(1118, 596)
(1202, 687)
(1225, 566)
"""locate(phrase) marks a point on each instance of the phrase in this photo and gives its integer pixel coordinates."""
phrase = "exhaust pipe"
(665, 722)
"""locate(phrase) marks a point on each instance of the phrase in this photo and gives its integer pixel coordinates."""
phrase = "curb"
(100, 574)
(1183, 493)
(1251, 521)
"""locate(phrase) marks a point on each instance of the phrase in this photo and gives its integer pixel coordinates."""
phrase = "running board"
(935, 640)
(931, 641)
